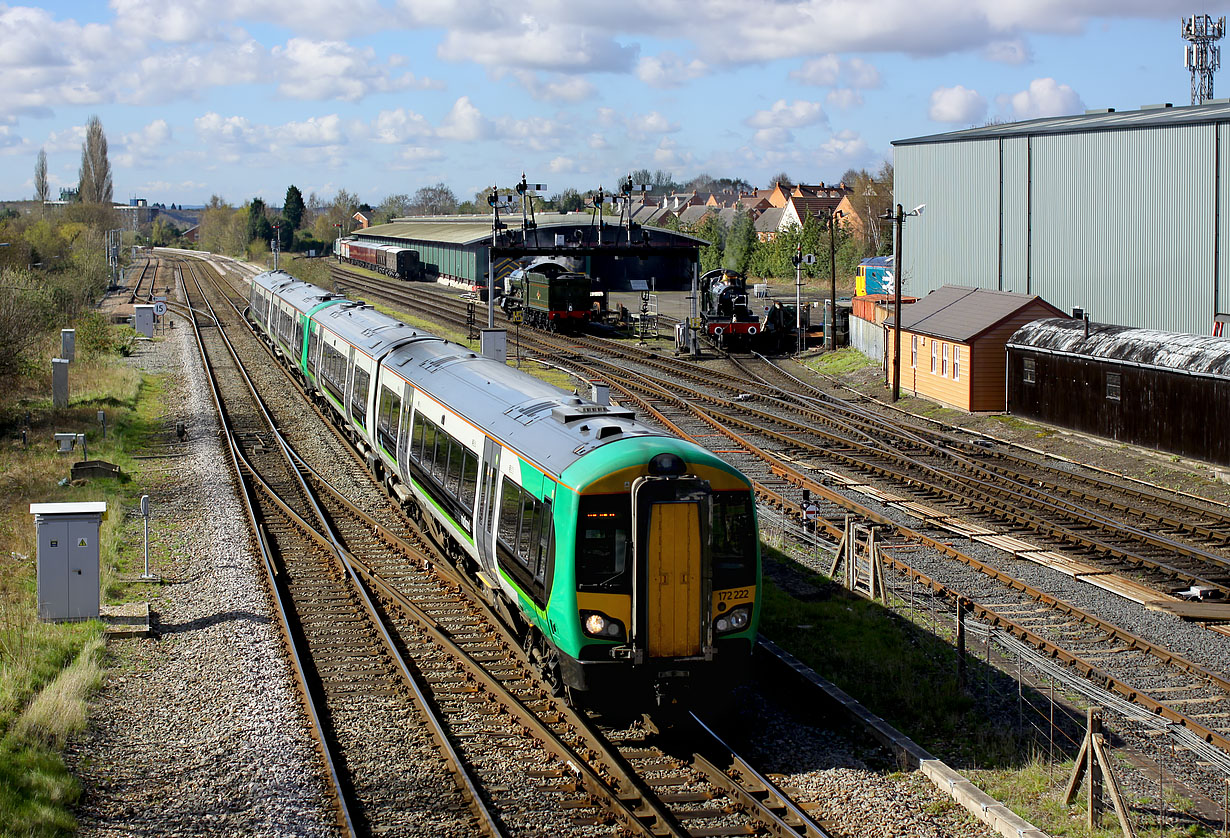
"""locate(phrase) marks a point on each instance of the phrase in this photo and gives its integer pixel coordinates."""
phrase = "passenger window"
(527, 537)
(440, 462)
(386, 424)
(453, 483)
(420, 432)
(510, 514)
(429, 443)
(469, 479)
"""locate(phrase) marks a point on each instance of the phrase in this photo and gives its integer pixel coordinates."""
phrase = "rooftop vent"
(1099, 110)
(1158, 107)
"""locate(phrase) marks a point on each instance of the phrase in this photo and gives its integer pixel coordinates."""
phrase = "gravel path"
(198, 730)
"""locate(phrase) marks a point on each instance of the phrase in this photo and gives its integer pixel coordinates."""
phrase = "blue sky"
(240, 99)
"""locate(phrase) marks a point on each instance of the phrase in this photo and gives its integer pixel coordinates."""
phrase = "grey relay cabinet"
(68, 587)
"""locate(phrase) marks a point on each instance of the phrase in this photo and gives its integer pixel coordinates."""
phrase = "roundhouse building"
(1157, 389)
(456, 248)
(1123, 214)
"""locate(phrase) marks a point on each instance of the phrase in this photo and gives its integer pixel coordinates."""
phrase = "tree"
(259, 228)
(437, 199)
(740, 242)
(394, 206)
(712, 230)
(784, 179)
(872, 198)
(570, 200)
(701, 183)
(292, 207)
(94, 179)
(41, 190)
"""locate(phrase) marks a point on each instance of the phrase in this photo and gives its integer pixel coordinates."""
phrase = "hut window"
(935, 349)
(956, 363)
(1029, 376)
(1112, 386)
(913, 350)
(944, 362)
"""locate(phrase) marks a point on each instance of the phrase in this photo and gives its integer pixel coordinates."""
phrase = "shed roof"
(1150, 116)
(476, 229)
(1197, 354)
(959, 313)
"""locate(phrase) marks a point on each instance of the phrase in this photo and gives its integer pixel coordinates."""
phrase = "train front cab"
(667, 580)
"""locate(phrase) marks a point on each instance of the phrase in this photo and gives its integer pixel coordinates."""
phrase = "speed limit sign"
(160, 308)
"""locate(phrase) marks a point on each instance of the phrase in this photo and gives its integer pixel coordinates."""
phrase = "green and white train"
(627, 559)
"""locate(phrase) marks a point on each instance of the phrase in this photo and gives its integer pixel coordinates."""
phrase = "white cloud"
(770, 137)
(309, 69)
(957, 104)
(554, 88)
(796, 114)
(561, 165)
(144, 146)
(464, 123)
(1045, 97)
(821, 72)
(414, 155)
(1014, 51)
(844, 150)
(669, 70)
(652, 123)
(535, 45)
(861, 74)
(844, 98)
(398, 126)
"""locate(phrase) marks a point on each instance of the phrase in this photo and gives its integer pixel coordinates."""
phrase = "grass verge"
(841, 361)
(47, 670)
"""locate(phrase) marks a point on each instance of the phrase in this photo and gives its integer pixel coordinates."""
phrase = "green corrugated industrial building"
(1123, 214)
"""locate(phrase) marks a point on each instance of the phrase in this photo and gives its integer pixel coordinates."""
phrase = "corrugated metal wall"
(959, 183)
(1119, 222)
(1014, 263)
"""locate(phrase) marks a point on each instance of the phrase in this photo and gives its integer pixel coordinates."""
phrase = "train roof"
(548, 425)
(369, 330)
(302, 295)
(1192, 354)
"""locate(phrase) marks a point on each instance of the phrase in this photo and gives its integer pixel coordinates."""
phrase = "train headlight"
(735, 619)
(597, 624)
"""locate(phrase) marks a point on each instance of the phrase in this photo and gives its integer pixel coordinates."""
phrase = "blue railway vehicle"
(626, 559)
(874, 276)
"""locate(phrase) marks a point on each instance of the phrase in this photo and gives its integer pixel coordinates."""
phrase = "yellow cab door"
(673, 519)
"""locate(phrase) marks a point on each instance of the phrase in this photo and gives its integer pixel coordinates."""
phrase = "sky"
(241, 99)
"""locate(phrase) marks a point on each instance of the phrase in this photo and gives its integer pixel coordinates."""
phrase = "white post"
(145, 514)
(798, 307)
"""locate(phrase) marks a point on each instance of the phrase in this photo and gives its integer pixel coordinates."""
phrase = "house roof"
(695, 214)
(769, 220)
(1194, 354)
(959, 313)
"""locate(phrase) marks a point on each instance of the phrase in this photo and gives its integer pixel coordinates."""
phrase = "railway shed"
(456, 249)
(1107, 211)
(952, 344)
(1161, 390)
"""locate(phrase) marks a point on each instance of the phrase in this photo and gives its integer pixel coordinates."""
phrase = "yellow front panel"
(672, 557)
(615, 606)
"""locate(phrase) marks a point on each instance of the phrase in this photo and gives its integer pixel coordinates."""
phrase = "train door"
(484, 513)
(669, 522)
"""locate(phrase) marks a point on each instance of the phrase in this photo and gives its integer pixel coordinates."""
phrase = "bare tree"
(95, 176)
(434, 200)
(41, 190)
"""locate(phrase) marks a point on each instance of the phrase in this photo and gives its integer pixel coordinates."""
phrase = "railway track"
(713, 408)
(487, 689)
(358, 690)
